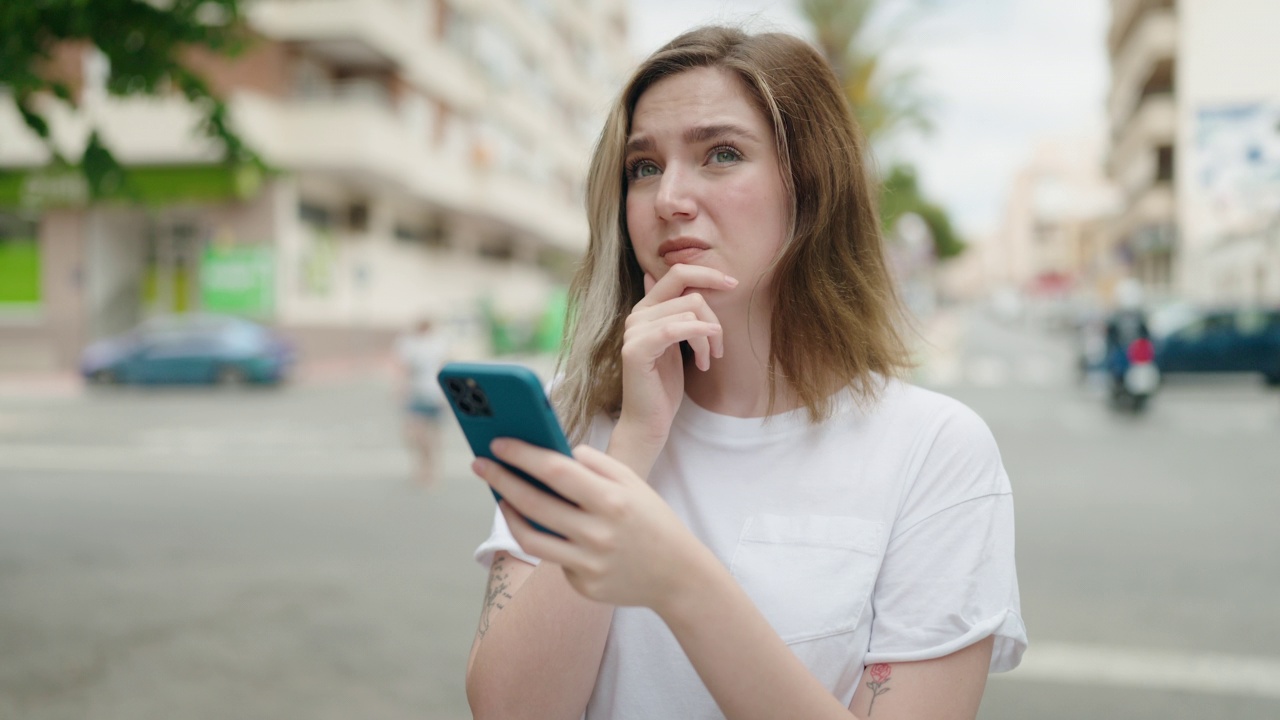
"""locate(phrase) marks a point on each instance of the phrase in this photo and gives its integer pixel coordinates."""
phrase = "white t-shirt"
(424, 354)
(881, 535)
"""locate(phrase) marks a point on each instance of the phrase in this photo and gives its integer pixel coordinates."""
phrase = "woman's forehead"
(693, 97)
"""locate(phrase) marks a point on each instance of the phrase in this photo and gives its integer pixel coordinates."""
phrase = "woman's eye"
(642, 169)
(725, 155)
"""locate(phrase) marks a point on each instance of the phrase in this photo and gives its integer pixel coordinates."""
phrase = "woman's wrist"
(635, 447)
(694, 583)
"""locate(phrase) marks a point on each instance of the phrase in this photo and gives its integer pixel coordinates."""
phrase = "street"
(188, 554)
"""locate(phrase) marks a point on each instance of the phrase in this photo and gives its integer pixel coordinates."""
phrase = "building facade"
(1052, 237)
(1142, 115)
(426, 158)
(1194, 111)
(1229, 173)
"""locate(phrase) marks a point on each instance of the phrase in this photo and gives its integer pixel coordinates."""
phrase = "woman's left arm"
(751, 673)
(624, 546)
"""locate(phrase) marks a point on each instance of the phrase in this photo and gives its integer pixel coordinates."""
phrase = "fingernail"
(732, 281)
(498, 446)
(479, 466)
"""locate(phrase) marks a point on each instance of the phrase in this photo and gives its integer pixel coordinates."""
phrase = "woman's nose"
(675, 196)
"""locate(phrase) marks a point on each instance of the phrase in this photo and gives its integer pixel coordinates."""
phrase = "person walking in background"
(421, 353)
(763, 520)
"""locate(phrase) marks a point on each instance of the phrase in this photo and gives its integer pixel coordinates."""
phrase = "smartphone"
(493, 400)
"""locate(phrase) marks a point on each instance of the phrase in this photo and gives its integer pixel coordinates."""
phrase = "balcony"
(350, 33)
(368, 142)
(1154, 124)
(1124, 19)
(1153, 206)
(1153, 43)
(370, 35)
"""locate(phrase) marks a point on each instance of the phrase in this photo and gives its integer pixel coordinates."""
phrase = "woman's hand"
(622, 544)
(672, 311)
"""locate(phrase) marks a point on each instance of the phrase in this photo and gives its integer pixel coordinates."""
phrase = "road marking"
(1209, 673)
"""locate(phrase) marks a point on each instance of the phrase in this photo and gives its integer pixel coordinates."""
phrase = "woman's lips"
(684, 255)
(681, 250)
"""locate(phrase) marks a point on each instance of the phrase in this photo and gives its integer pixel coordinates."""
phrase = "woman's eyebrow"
(640, 144)
(704, 133)
(692, 136)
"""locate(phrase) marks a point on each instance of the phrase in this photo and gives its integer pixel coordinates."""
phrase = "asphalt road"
(235, 554)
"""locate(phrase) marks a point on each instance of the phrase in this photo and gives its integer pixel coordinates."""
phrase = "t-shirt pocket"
(811, 576)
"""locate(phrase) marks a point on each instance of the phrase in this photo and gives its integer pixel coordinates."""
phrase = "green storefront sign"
(238, 280)
(154, 185)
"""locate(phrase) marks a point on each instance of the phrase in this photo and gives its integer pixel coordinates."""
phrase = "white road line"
(1208, 673)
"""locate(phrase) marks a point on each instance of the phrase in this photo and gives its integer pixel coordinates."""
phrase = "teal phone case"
(493, 400)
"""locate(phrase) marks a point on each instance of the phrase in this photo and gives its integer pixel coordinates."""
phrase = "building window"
(1164, 163)
(315, 214)
(501, 248)
(433, 234)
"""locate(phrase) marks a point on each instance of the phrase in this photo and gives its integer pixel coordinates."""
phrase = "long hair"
(836, 320)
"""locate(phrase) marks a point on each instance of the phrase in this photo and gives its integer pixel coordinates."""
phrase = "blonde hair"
(836, 320)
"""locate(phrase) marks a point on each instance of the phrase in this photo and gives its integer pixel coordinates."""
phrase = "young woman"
(765, 521)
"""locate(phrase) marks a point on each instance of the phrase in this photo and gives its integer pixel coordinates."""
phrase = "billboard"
(1236, 183)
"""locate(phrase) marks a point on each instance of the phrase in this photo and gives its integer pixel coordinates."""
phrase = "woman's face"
(704, 185)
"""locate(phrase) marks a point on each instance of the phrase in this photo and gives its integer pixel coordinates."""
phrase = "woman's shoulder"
(927, 415)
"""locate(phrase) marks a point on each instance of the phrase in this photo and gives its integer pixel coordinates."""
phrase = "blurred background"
(219, 219)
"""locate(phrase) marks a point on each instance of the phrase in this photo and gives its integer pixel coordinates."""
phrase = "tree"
(143, 42)
(885, 101)
(900, 194)
(855, 35)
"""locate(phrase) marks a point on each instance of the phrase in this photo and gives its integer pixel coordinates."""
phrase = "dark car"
(1229, 340)
(190, 349)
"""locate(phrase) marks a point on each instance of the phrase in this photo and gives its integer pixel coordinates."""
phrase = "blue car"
(190, 349)
(1235, 340)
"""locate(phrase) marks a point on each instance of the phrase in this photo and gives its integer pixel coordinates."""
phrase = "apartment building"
(1052, 236)
(1229, 176)
(427, 158)
(1194, 112)
(1141, 110)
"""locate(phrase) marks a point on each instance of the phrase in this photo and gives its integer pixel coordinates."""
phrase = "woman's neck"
(738, 383)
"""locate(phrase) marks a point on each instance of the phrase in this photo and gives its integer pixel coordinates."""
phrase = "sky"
(1001, 75)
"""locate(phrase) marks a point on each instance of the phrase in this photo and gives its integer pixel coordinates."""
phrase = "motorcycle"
(1134, 376)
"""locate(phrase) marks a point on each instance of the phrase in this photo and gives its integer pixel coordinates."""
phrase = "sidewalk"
(68, 384)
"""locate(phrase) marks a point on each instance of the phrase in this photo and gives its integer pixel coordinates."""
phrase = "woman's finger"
(604, 464)
(543, 546)
(683, 277)
(540, 506)
(694, 302)
(648, 342)
(558, 471)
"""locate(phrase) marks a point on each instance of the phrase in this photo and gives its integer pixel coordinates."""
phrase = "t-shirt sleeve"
(501, 539)
(948, 579)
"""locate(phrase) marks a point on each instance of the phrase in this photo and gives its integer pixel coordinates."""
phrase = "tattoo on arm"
(879, 673)
(496, 596)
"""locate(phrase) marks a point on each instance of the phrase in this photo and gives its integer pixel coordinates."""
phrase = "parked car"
(190, 349)
(1225, 340)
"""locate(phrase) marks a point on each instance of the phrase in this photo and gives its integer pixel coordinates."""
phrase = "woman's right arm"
(533, 621)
